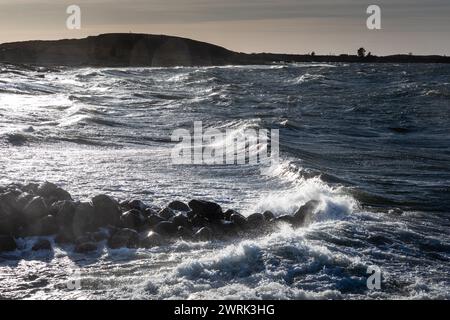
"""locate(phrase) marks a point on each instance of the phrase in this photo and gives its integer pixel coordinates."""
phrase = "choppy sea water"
(365, 140)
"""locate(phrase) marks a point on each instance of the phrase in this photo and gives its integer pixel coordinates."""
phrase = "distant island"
(146, 50)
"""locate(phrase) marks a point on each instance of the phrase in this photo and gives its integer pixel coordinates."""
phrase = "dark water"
(367, 141)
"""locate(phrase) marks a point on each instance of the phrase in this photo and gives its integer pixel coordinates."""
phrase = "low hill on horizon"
(147, 50)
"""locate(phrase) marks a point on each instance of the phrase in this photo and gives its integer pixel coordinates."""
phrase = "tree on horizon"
(361, 52)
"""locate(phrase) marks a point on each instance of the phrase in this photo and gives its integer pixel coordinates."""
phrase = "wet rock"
(166, 228)
(9, 217)
(85, 247)
(166, 213)
(190, 214)
(268, 215)
(45, 226)
(239, 220)
(150, 240)
(255, 220)
(54, 208)
(153, 220)
(124, 204)
(124, 238)
(7, 243)
(84, 238)
(65, 213)
(204, 234)
(198, 221)
(64, 238)
(185, 233)
(107, 211)
(227, 214)
(42, 244)
(305, 214)
(137, 205)
(180, 220)
(35, 209)
(208, 210)
(100, 235)
(30, 188)
(228, 228)
(52, 192)
(150, 212)
(178, 206)
(83, 219)
(133, 219)
(22, 200)
(7, 224)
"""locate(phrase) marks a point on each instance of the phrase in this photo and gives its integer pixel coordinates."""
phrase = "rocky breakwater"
(43, 210)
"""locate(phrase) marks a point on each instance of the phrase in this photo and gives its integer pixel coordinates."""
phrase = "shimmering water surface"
(365, 140)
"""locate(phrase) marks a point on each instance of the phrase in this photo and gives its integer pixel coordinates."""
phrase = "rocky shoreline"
(43, 210)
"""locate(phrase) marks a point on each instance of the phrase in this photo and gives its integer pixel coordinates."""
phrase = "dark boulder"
(64, 237)
(227, 214)
(150, 240)
(150, 212)
(305, 214)
(65, 213)
(7, 224)
(180, 220)
(8, 212)
(153, 220)
(124, 238)
(166, 228)
(137, 205)
(30, 188)
(124, 205)
(227, 228)
(107, 211)
(255, 220)
(198, 221)
(42, 244)
(166, 213)
(7, 243)
(83, 219)
(239, 220)
(185, 233)
(100, 235)
(85, 247)
(35, 209)
(268, 215)
(179, 206)
(204, 234)
(133, 219)
(208, 210)
(22, 200)
(84, 238)
(9, 217)
(8, 203)
(52, 192)
(43, 227)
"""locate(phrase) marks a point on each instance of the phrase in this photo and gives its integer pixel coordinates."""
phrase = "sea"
(370, 142)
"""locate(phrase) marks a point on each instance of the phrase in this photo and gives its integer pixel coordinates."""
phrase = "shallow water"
(363, 139)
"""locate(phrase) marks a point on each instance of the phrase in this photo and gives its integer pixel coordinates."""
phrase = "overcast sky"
(293, 26)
